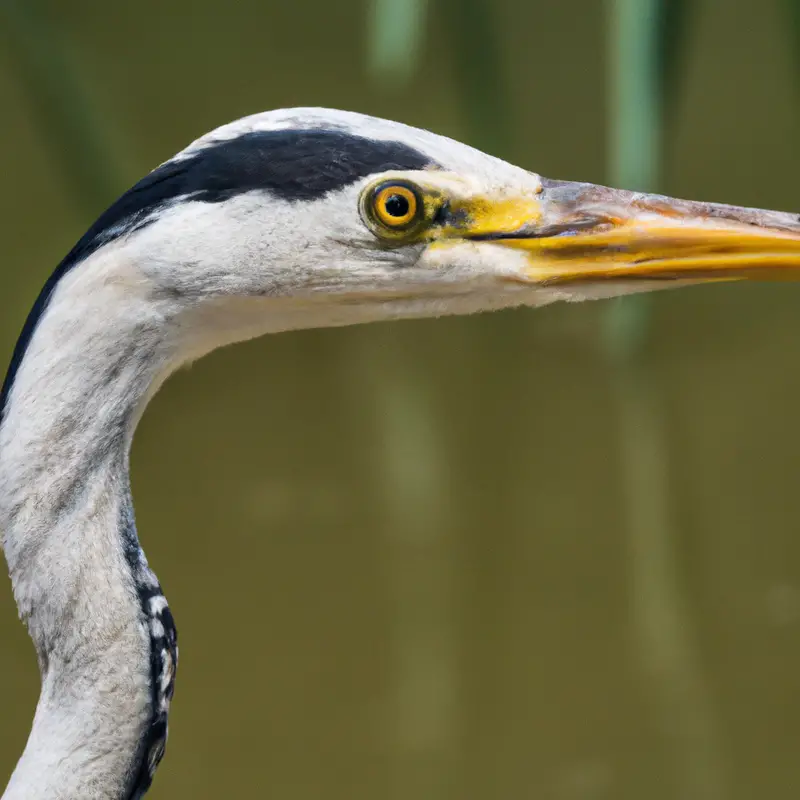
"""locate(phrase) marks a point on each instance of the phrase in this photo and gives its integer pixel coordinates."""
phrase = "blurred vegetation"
(644, 41)
(646, 53)
(61, 102)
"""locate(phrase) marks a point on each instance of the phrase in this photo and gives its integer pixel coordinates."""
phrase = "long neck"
(101, 627)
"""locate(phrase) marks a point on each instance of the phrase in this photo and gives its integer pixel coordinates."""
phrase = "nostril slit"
(442, 213)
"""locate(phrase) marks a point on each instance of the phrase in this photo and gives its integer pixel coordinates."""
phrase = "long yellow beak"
(587, 233)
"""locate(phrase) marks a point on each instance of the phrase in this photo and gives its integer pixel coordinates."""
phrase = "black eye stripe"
(294, 165)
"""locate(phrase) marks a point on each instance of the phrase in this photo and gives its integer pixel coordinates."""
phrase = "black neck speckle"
(156, 618)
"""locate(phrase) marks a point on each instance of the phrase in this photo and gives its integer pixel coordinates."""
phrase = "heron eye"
(396, 206)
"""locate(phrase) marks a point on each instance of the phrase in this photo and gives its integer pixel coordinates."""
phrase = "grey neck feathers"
(100, 624)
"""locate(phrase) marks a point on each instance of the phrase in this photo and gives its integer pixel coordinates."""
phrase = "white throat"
(95, 612)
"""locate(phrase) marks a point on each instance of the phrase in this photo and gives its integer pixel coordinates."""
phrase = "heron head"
(314, 217)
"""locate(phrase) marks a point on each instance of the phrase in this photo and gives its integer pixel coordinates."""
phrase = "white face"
(467, 233)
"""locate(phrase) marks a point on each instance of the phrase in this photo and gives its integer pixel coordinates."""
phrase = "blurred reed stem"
(396, 35)
(481, 87)
(640, 63)
(416, 474)
(421, 567)
(793, 10)
(415, 480)
(67, 120)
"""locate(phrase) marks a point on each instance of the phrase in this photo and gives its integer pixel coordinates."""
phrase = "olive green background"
(398, 555)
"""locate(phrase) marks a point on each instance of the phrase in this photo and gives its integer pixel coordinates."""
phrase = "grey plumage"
(257, 227)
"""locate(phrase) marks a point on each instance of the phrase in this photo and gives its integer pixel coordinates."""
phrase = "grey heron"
(288, 219)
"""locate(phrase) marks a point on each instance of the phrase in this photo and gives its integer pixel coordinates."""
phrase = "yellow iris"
(395, 205)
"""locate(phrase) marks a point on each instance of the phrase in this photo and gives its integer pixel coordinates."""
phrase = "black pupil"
(397, 205)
